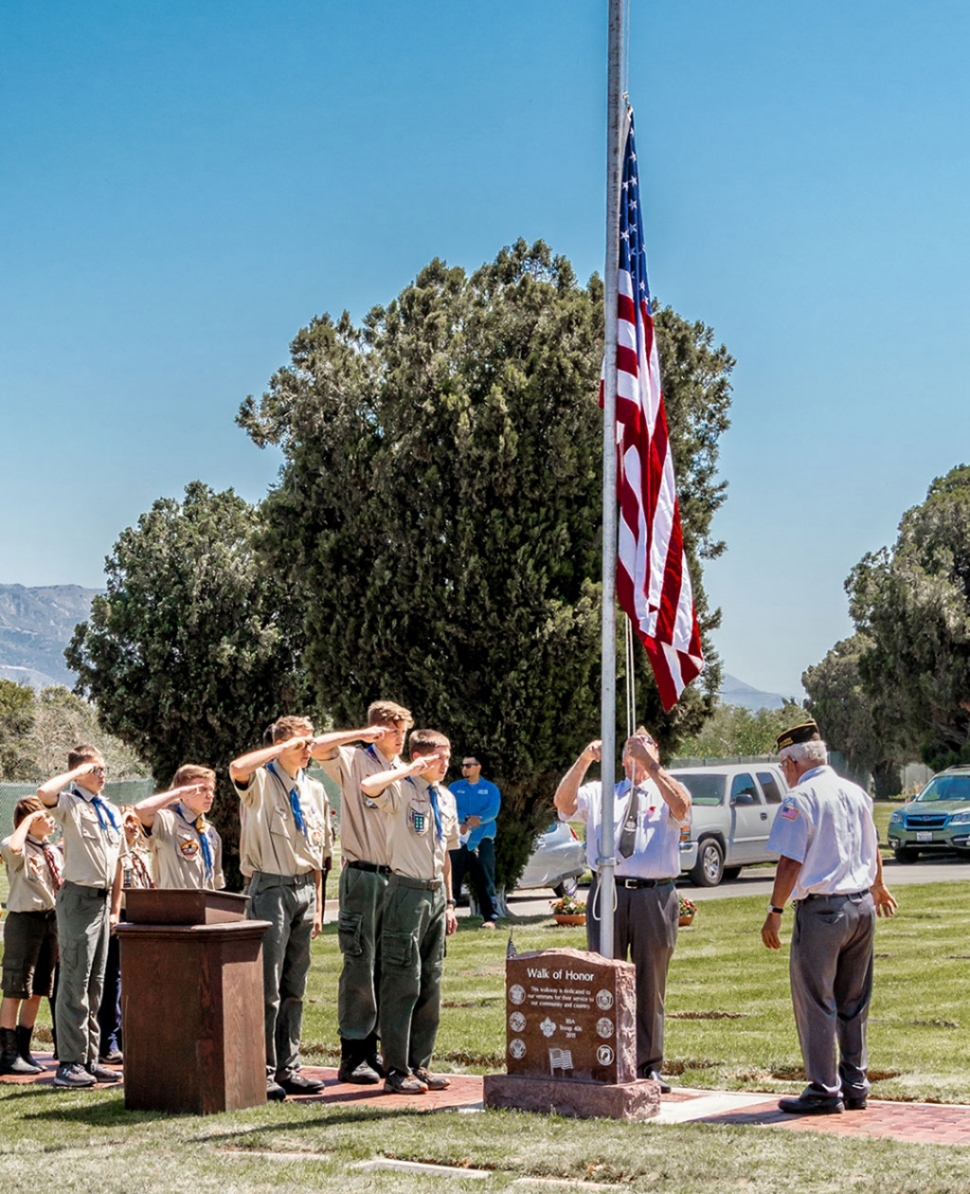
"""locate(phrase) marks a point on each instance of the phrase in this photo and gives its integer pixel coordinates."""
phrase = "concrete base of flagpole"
(578, 1100)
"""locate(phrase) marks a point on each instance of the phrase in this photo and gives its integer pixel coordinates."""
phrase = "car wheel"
(567, 887)
(904, 854)
(710, 864)
(731, 872)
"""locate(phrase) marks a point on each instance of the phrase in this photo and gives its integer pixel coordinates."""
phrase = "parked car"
(734, 807)
(557, 861)
(937, 819)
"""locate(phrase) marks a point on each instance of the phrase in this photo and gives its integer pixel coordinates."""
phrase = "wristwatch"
(772, 908)
(449, 903)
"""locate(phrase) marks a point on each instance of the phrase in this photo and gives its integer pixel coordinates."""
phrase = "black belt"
(836, 895)
(420, 884)
(633, 884)
(370, 866)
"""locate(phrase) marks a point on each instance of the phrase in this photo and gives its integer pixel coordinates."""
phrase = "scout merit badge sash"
(105, 816)
(201, 827)
(295, 806)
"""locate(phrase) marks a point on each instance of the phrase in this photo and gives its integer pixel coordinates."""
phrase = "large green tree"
(191, 651)
(16, 722)
(913, 605)
(842, 707)
(438, 514)
(734, 730)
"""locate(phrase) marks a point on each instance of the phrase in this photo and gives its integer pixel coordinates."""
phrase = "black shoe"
(101, 1073)
(361, 1074)
(859, 1104)
(296, 1084)
(112, 1057)
(274, 1092)
(10, 1060)
(807, 1104)
(654, 1076)
(23, 1048)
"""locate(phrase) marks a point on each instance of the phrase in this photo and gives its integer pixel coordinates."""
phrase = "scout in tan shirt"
(363, 847)
(88, 903)
(286, 845)
(419, 911)
(187, 849)
(30, 931)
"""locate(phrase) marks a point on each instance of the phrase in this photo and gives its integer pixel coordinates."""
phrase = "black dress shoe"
(654, 1076)
(859, 1104)
(274, 1092)
(358, 1073)
(811, 1105)
(296, 1084)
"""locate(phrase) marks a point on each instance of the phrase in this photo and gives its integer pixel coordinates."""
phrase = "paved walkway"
(915, 1123)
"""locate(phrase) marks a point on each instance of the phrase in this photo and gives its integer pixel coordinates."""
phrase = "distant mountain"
(735, 692)
(35, 627)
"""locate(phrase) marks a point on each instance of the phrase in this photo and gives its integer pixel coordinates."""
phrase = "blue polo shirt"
(477, 800)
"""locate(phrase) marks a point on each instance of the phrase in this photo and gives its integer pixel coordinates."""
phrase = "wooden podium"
(192, 1002)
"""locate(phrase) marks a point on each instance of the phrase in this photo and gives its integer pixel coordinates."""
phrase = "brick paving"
(914, 1123)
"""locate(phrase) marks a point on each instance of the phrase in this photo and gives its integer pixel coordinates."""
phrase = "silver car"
(734, 807)
(557, 861)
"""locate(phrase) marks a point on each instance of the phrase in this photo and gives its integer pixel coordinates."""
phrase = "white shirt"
(656, 847)
(826, 824)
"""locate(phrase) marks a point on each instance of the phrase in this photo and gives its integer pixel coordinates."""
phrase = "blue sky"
(187, 184)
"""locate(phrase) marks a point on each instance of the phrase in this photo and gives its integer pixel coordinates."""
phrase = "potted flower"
(568, 911)
(687, 911)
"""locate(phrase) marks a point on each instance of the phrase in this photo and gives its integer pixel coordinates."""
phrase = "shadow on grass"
(327, 1118)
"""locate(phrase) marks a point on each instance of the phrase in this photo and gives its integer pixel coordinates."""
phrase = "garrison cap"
(806, 732)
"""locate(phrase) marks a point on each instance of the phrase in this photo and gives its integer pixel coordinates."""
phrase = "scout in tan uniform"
(88, 903)
(419, 911)
(136, 873)
(187, 849)
(30, 931)
(286, 843)
(366, 866)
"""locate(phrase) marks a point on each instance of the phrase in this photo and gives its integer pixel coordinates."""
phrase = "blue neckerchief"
(202, 829)
(103, 809)
(294, 792)
(433, 790)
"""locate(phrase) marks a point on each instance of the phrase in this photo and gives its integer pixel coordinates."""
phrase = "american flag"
(652, 580)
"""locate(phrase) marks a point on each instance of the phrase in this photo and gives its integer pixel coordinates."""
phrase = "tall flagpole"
(607, 862)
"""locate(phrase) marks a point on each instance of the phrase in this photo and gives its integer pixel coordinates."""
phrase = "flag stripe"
(652, 580)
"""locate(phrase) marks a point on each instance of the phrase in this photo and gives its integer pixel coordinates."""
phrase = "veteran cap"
(806, 732)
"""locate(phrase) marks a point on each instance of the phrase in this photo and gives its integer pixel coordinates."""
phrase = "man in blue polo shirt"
(478, 803)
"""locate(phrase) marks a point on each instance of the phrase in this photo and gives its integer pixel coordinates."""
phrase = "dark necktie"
(295, 806)
(105, 816)
(53, 866)
(629, 835)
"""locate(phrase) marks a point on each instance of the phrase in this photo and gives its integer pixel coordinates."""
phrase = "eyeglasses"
(464, 765)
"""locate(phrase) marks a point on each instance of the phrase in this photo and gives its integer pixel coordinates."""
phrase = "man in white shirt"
(649, 809)
(831, 867)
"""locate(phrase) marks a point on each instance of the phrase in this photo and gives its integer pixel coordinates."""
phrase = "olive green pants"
(83, 932)
(288, 902)
(359, 937)
(412, 957)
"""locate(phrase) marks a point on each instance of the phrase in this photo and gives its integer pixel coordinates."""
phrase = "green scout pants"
(412, 953)
(83, 932)
(359, 936)
(288, 902)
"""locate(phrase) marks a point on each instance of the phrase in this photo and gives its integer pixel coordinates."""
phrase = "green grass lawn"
(730, 1025)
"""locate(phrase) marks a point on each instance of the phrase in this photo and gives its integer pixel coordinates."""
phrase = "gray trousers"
(831, 985)
(83, 932)
(359, 937)
(412, 959)
(645, 933)
(289, 903)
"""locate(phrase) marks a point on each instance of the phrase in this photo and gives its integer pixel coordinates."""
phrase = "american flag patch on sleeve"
(789, 812)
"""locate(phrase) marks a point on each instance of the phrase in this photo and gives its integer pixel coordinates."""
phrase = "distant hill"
(36, 625)
(735, 692)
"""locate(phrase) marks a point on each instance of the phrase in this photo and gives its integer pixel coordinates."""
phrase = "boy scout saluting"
(87, 906)
(187, 849)
(286, 841)
(30, 931)
(419, 911)
(363, 846)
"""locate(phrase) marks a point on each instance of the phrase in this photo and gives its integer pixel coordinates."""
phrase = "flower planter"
(569, 918)
(686, 920)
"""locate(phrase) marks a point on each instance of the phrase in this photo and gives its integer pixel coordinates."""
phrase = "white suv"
(734, 807)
